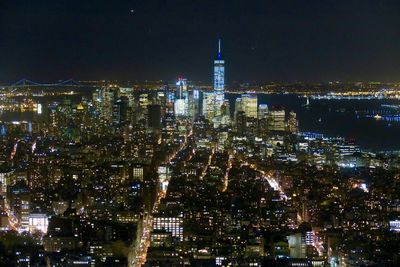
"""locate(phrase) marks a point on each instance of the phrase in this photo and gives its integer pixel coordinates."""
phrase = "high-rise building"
(208, 105)
(103, 99)
(241, 122)
(161, 99)
(181, 102)
(144, 100)
(293, 124)
(297, 245)
(262, 111)
(3, 130)
(169, 128)
(238, 105)
(179, 107)
(137, 172)
(196, 97)
(249, 105)
(173, 225)
(193, 107)
(120, 112)
(213, 101)
(25, 211)
(219, 81)
(219, 86)
(154, 117)
(5, 177)
(276, 119)
(164, 176)
(181, 88)
(170, 99)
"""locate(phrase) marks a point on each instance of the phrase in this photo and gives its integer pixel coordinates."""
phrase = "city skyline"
(181, 172)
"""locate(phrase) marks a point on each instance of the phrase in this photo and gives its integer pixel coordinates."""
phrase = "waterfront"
(350, 118)
(340, 118)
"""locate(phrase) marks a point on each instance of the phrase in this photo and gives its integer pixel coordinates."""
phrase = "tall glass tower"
(219, 80)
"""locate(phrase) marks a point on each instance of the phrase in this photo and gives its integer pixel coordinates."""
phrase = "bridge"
(28, 83)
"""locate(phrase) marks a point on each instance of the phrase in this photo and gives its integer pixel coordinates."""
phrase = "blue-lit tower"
(219, 79)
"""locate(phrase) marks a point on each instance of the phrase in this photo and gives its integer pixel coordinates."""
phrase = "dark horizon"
(263, 41)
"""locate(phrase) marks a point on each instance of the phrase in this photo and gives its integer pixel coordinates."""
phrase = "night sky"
(321, 40)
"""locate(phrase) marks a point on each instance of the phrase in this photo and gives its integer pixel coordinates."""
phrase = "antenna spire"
(219, 48)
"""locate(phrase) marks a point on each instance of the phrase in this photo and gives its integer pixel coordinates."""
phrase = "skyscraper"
(249, 105)
(213, 101)
(120, 111)
(181, 105)
(181, 88)
(208, 105)
(154, 117)
(276, 119)
(293, 124)
(262, 111)
(219, 80)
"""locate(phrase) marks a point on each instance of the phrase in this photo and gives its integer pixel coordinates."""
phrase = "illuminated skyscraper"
(219, 80)
(249, 105)
(181, 101)
(120, 111)
(213, 101)
(208, 105)
(293, 124)
(276, 119)
(181, 88)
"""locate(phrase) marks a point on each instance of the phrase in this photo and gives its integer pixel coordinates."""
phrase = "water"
(341, 118)
(44, 100)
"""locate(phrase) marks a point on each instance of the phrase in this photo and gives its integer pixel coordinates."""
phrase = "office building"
(262, 111)
(38, 222)
(171, 225)
(208, 105)
(154, 117)
(276, 119)
(249, 105)
(137, 172)
(293, 124)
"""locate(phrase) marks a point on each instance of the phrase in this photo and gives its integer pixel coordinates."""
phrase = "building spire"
(219, 48)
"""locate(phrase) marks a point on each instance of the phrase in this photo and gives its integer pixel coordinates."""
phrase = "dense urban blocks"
(130, 177)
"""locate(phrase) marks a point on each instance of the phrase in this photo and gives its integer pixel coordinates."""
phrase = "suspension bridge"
(62, 83)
